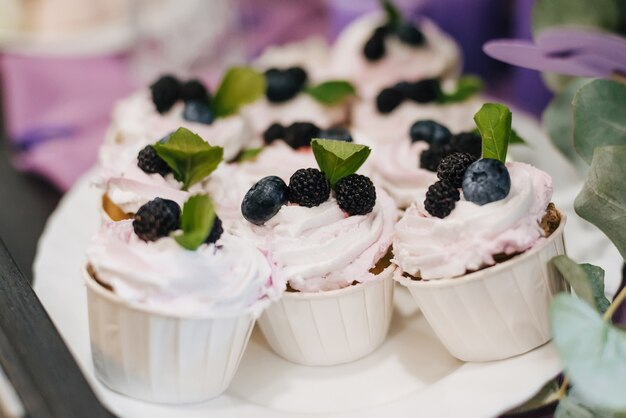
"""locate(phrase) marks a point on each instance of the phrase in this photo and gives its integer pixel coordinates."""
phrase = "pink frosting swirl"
(471, 235)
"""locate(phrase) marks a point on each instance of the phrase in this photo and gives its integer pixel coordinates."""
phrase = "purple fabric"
(57, 110)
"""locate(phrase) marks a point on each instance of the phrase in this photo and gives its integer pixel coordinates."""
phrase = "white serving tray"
(411, 375)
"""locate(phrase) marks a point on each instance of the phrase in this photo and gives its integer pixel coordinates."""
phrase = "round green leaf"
(592, 350)
(603, 14)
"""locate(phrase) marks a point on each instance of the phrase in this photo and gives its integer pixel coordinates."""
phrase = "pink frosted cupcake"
(332, 249)
(473, 249)
(172, 302)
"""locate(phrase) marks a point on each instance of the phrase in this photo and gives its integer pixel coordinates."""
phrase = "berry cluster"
(160, 217)
(443, 143)
(283, 85)
(374, 48)
(423, 91)
(300, 134)
(167, 90)
(308, 187)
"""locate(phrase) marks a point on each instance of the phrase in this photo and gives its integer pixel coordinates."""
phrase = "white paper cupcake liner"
(329, 328)
(497, 312)
(161, 358)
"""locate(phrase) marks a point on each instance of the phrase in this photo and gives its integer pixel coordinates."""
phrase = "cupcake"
(376, 51)
(408, 165)
(170, 103)
(327, 233)
(291, 97)
(473, 249)
(171, 311)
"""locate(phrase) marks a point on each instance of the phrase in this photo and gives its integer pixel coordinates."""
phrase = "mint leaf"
(248, 154)
(189, 156)
(240, 86)
(587, 281)
(393, 15)
(515, 138)
(331, 92)
(338, 159)
(494, 123)
(466, 87)
(196, 221)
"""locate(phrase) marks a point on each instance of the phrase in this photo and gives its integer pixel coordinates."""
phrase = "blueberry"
(486, 181)
(337, 133)
(429, 131)
(263, 201)
(409, 34)
(388, 99)
(196, 111)
(281, 85)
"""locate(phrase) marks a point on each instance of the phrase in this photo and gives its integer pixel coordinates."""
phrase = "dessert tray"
(410, 374)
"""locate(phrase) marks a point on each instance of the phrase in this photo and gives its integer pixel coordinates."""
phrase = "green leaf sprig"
(467, 86)
(331, 92)
(338, 159)
(494, 125)
(196, 221)
(189, 156)
(240, 86)
(248, 154)
(394, 17)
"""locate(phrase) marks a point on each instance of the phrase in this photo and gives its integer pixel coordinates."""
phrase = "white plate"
(410, 375)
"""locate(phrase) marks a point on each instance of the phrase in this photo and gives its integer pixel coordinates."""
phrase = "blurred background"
(64, 63)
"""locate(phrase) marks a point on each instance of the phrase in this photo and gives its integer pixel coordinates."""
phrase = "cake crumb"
(551, 220)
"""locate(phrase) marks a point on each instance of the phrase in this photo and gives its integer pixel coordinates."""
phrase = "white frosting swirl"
(136, 121)
(396, 168)
(471, 235)
(439, 57)
(227, 279)
(322, 248)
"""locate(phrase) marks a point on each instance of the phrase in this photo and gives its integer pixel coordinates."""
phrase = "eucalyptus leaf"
(602, 200)
(196, 221)
(466, 87)
(558, 120)
(587, 281)
(574, 395)
(571, 408)
(189, 156)
(494, 124)
(593, 351)
(602, 14)
(545, 396)
(338, 159)
(331, 92)
(599, 116)
(393, 14)
(240, 86)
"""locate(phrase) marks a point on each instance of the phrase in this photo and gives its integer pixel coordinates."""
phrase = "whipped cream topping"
(471, 235)
(228, 278)
(438, 57)
(322, 248)
(302, 108)
(396, 168)
(136, 121)
(384, 128)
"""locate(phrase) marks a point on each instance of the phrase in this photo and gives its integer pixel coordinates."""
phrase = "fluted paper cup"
(498, 312)
(333, 327)
(162, 358)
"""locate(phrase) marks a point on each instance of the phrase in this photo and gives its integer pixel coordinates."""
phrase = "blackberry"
(274, 132)
(441, 198)
(156, 219)
(452, 168)
(337, 133)
(374, 48)
(297, 74)
(216, 231)
(425, 91)
(281, 85)
(149, 162)
(388, 99)
(468, 142)
(165, 92)
(429, 131)
(194, 90)
(409, 34)
(308, 187)
(430, 158)
(355, 194)
(300, 134)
